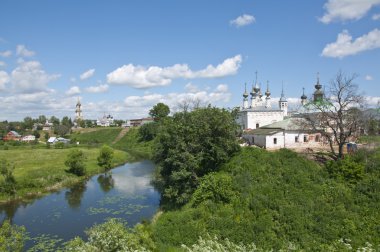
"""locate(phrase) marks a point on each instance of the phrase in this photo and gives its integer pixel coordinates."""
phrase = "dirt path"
(120, 136)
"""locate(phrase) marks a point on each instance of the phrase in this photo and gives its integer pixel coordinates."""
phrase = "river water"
(125, 192)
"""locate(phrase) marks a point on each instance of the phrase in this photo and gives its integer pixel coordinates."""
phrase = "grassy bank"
(39, 170)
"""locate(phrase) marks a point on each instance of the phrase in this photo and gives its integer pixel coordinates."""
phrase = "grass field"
(37, 170)
(99, 136)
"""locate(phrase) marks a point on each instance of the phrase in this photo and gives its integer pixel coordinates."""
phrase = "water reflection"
(75, 194)
(106, 182)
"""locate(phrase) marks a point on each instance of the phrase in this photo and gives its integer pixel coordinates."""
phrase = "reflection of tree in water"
(10, 209)
(75, 194)
(106, 182)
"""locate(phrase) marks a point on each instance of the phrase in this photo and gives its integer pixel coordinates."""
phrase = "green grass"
(369, 139)
(100, 136)
(37, 170)
(131, 143)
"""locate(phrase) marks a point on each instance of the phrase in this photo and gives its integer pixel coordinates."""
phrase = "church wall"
(251, 118)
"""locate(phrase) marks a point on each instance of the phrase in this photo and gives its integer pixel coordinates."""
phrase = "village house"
(140, 122)
(12, 136)
(28, 138)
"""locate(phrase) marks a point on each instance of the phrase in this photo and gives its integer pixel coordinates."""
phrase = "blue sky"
(122, 57)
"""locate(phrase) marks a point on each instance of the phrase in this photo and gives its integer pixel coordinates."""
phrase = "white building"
(259, 111)
(105, 121)
(28, 138)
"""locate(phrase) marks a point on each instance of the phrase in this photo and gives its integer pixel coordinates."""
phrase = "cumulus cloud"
(243, 20)
(376, 16)
(6, 53)
(345, 45)
(73, 91)
(30, 77)
(88, 74)
(220, 94)
(23, 52)
(368, 77)
(343, 10)
(191, 88)
(142, 77)
(4, 79)
(97, 89)
(2, 64)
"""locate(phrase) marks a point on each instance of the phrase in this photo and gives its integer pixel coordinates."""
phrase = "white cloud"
(6, 53)
(141, 77)
(73, 91)
(376, 16)
(243, 20)
(4, 79)
(342, 10)
(368, 77)
(30, 77)
(88, 74)
(2, 64)
(143, 103)
(345, 46)
(98, 89)
(23, 52)
(191, 88)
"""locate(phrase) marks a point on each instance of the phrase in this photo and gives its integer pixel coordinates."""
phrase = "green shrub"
(75, 162)
(347, 169)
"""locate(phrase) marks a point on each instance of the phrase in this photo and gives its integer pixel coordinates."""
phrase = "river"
(125, 192)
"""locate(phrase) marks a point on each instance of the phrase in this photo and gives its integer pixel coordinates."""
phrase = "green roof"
(292, 123)
(262, 131)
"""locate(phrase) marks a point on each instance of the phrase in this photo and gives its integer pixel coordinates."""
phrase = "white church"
(271, 127)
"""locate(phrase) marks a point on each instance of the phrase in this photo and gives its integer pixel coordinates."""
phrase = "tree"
(105, 157)
(28, 123)
(336, 117)
(54, 120)
(36, 134)
(61, 130)
(148, 131)
(8, 185)
(75, 162)
(46, 136)
(42, 119)
(12, 237)
(159, 111)
(66, 121)
(190, 145)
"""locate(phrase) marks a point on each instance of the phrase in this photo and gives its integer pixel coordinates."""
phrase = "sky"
(122, 57)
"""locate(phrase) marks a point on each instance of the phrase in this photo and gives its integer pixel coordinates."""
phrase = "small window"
(305, 138)
(296, 139)
(253, 140)
(317, 138)
(275, 140)
(257, 125)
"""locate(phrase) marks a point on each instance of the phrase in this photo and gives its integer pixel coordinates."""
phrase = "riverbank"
(40, 171)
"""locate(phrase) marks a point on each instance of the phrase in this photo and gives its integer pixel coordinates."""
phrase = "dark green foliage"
(12, 237)
(8, 185)
(59, 145)
(159, 111)
(62, 130)
(75, 162)
(46, 136)
(189, 146)
(105, 157)
(347, 169)
(36, 134)
(277, 198)
(215, 187)
(148, 131)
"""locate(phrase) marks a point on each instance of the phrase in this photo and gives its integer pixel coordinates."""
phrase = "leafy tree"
(36, 134)
(190, 145)
(75, 162)
(159, 111)
(54, 120)
(28, 123)
(62, 130)
(59, 145)
(66, 121)
(105, 157)
(8, 185)
(12, 237)
(46, 136)
(337, 116)
(148, 131)
(42, 119)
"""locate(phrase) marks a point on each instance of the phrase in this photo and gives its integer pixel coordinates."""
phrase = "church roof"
(262, 109)
(291, 123)
(262, 131)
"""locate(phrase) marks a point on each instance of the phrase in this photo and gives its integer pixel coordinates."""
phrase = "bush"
(105, 157)
(75, 162)
(347, 169)
(12, 237)
(8, 185)
(59, 145)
